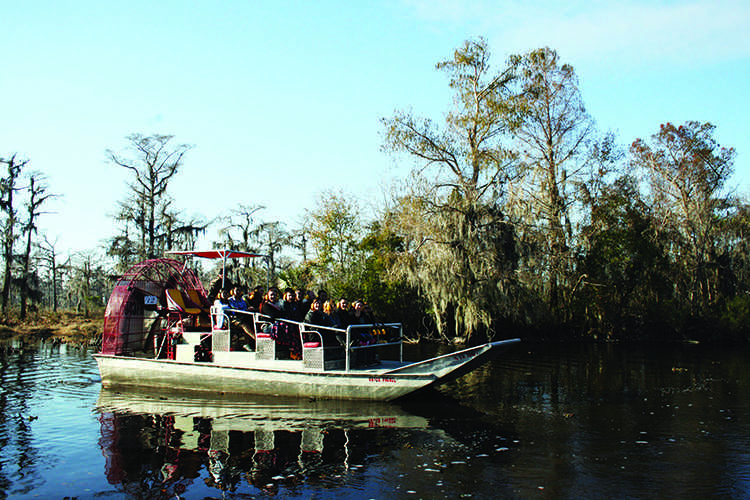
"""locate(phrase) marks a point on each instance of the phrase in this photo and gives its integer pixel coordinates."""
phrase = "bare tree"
(153, 164)
(49, 256)
(238, 234)
(271, 237)
(87, 282)
(299, 240)
(8, 189)
(37, 197)
(554, 137)
(179, 233)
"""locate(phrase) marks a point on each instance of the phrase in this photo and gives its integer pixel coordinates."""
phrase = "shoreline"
(59, 328)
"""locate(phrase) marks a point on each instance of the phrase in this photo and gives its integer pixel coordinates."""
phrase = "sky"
(282, 100)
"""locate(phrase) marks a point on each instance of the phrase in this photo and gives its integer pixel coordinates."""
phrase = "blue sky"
(282, 100)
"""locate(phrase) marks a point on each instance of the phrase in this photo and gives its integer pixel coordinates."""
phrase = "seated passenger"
(256, 299)
(316, 315)
(237, 302)
(285, 334)
(291, 307)
(222, 298)
(236, 299)
(222, 303)
(330, 309)
(236, 323)
(343, 313)
(271, 306)
(306, 300)
(362, 315)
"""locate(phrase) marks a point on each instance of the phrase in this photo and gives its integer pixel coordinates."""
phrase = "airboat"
(161, 332)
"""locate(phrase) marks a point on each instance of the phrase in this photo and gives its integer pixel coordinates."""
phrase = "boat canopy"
(223, 255)
(218, 254)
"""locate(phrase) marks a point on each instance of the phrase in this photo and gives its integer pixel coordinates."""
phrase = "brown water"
(611, 421)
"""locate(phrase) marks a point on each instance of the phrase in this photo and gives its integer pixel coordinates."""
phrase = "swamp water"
(540, 421)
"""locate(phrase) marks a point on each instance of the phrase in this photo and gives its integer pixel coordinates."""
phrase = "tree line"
(518, 217)
(35, 274)
(521, 214)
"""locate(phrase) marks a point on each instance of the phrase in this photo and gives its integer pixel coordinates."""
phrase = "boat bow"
(453, 365)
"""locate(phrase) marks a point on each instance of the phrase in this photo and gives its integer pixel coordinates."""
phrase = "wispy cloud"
(679, 33)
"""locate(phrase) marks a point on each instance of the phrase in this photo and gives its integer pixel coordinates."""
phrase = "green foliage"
(463, 261)
(686, 171)
(626, 270)
(550, 228)
(735, 319)
(299, 276)
(335, 229)
(391, 298)
(457, 248)
(556, 147)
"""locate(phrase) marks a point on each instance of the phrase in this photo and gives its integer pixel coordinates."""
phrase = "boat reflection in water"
(165, 443)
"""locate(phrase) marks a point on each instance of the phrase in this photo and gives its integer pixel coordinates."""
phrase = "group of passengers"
(296, 305)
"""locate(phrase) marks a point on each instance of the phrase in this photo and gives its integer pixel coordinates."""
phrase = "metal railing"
(354, 337)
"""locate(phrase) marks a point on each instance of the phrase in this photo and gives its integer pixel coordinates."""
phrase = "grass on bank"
(62, 326)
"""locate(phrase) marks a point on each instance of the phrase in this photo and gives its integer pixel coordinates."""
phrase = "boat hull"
(287, 378)
(168, 374)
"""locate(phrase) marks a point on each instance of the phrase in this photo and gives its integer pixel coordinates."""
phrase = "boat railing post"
(348, 346)
(400, 343)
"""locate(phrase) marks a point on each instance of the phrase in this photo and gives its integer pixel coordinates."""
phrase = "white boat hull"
(386, 382)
